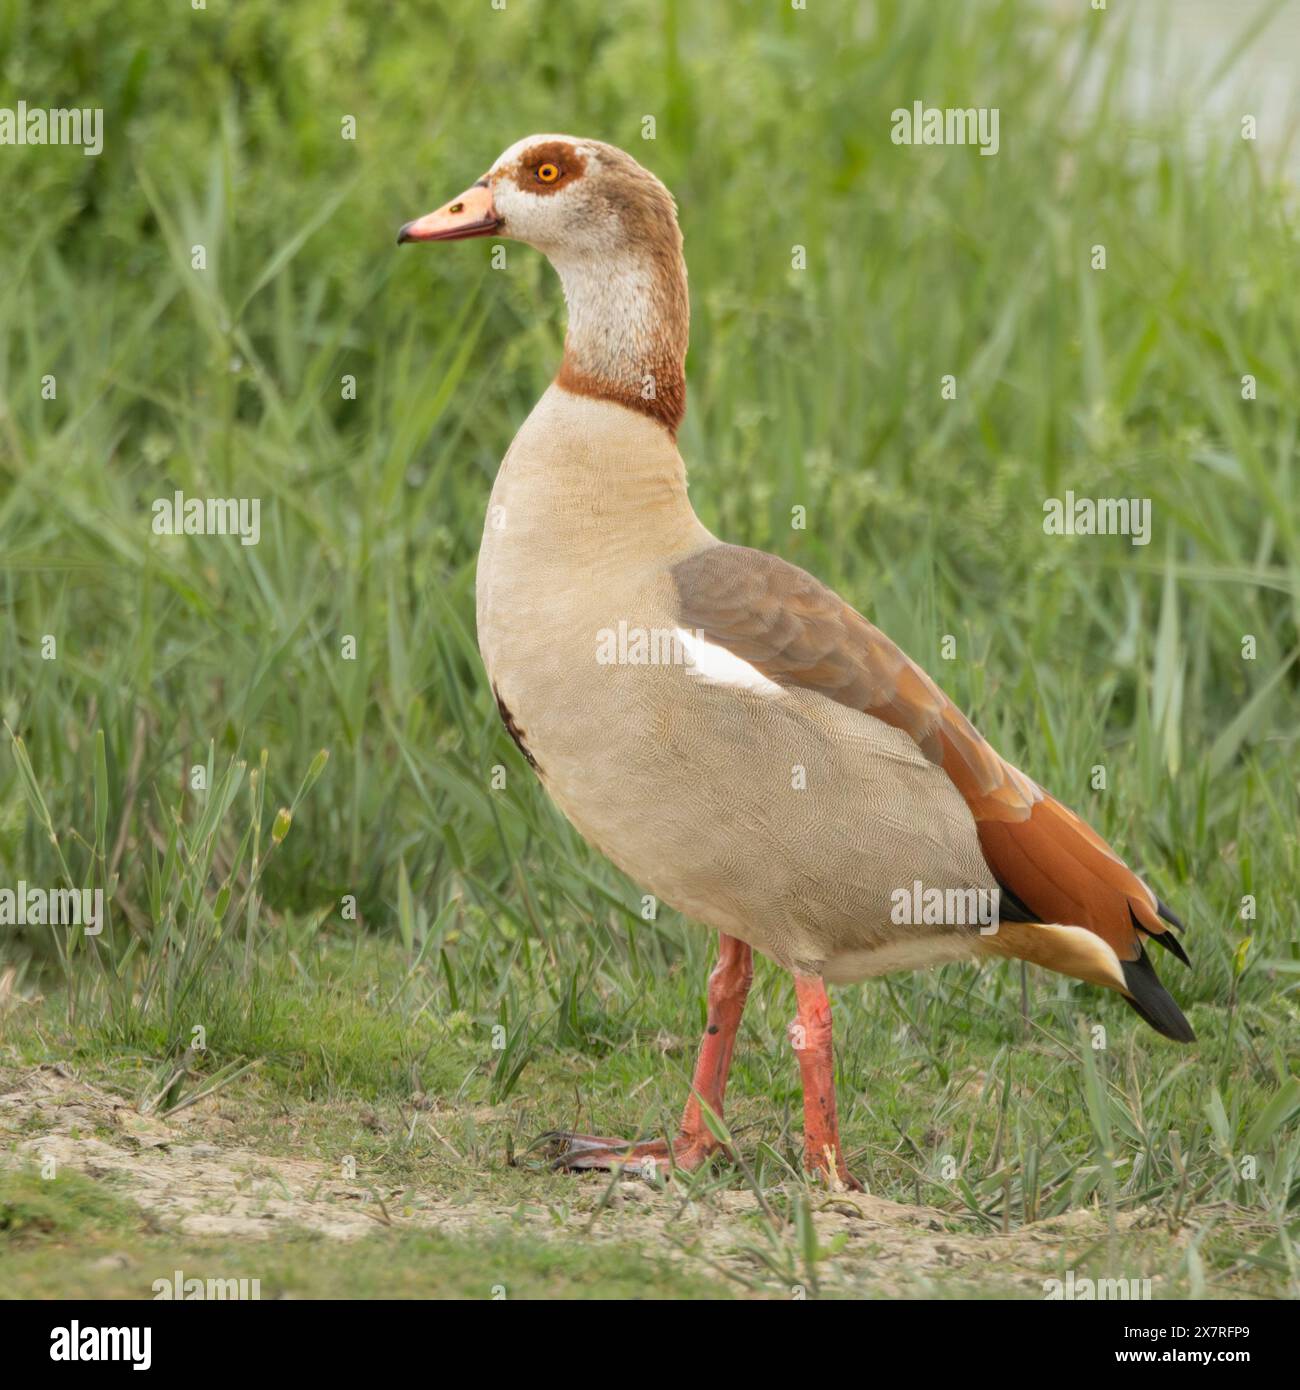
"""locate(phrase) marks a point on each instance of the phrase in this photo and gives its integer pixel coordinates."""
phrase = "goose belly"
(774, 815)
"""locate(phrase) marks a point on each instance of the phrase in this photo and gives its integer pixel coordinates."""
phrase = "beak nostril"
(470, 215)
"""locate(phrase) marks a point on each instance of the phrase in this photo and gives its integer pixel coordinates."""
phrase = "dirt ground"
(193, 1176)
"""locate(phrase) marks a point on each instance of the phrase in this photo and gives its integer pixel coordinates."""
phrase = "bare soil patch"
(189, 1174)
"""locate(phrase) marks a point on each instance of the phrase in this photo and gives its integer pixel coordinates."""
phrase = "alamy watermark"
(1101, 516)
(178, 1287)
(26, 906)
(947, 125)
(950, 907)
(179, 515)
(77, 1343)
(36, 125)
(629, 645)
(1074, 1290)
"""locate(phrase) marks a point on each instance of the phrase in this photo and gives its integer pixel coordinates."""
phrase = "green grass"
(35, 1211)
(477, 908)
(406, 1266)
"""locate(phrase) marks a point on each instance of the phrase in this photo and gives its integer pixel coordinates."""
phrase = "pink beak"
(472, 214)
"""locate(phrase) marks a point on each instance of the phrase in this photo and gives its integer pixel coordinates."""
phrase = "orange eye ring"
(547, 173)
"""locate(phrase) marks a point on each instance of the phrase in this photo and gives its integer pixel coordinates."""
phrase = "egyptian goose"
(727, 730)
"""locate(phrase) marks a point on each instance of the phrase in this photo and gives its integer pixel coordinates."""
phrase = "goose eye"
(547, 173)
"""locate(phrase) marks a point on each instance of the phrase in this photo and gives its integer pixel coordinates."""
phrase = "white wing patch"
(718, 666)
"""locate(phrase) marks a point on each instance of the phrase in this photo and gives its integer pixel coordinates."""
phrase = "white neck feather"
(614, 328)
(629, 320)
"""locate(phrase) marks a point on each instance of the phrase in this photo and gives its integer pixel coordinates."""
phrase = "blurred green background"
(818, 388)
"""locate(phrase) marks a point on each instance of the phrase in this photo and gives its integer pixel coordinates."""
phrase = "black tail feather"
(1171, 944)
(1152, 1001)
(1165, 938)
(1169, 915)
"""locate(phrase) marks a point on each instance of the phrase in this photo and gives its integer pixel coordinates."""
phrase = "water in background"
(1180, 49)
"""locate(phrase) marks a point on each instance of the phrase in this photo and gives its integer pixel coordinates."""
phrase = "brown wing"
(797, 632)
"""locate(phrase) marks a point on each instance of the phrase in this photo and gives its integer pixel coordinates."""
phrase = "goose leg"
(695, 1143)
(810, 1034)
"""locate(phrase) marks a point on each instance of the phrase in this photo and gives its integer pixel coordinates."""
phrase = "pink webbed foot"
(649, 1158)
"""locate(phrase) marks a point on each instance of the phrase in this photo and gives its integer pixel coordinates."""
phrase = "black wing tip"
(1165, 938)
(1172, 944)
(1152, 1002)
(1011, 909)
(1166, 912)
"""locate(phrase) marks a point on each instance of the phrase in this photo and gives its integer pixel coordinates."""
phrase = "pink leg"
(695, 1144)
(810, 1034)
(728, 989)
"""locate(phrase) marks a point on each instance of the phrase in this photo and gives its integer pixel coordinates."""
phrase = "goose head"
(562, 196)
(609, 227)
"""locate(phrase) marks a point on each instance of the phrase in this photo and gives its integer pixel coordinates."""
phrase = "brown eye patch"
(546, 168)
